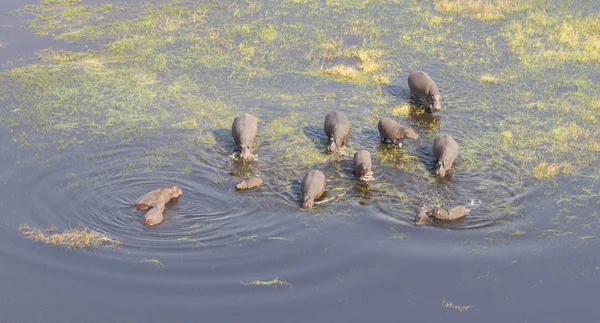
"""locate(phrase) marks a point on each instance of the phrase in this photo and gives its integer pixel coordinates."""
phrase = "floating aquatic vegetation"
(77, 238)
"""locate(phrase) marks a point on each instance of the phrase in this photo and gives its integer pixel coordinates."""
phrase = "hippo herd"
(337, 128)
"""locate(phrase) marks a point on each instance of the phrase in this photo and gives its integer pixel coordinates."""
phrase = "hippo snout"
(437, 104)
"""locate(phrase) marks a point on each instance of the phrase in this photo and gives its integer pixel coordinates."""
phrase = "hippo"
(249, 183)
(362, 165)
(392, 130)
(159, 196)
(453, 213)
(337, 129)
(445, 151)
(422, 217)
(423, 88)
(313, 187)
(244, 131)
(155, 215)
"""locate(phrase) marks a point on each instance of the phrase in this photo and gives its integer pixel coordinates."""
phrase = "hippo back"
(445, 146)
(313, 184)
(388, 128)
(244, 128)
(336, 125)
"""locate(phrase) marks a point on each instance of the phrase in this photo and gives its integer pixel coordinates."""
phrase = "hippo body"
(337, 129)
(244, 131)
(453, 213)
(362, 165)
(313, 187)
(159, 196)
(155, 216)
(445, 150)
(392, 130)
(249, 183)
(423, 88)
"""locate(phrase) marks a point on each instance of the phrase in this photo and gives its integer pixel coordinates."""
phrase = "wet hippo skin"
(244, 131)
(161, 195)
(445, 150)
(313, 187)
(337, 129)
(423, 88)
(362, 165)
(249, 183)
(393, 131)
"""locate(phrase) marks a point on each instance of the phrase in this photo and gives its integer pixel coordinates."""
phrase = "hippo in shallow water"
(159, 196)
(362, 165)
(392, 130)
(423, 88)
(422, 217)
(337, 129)
(249, 183)
(244, 131)
(445, 151)
(453, 213)
(313, 187)
(155, 216)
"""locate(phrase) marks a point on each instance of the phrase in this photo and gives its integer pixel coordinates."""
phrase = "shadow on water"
(316, 136)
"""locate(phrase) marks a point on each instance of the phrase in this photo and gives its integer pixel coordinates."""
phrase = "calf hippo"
(155, 215)
(423, 88)
(445, 151)
(453, 213)
(244, 130)
(337, 129)
(159, 196)
(362, 165)
(249, 183)
(313, 187)
(422, 217)
(392, 130)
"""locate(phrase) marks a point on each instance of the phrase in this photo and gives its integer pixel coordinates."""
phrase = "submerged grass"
(484, 10)
(274, 283)
(76, 238)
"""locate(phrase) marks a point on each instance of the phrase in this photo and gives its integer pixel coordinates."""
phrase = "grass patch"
(484, 10)
(547, 171)
(488, 79)
(452, 306)
(77, 238)
(403, 110)
(155, 262)
(547, 40)
(274, 283)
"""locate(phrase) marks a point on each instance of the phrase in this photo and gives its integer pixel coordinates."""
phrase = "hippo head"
(410, 133)
(422, 217)
(246, 151)
(365, 173)
(176, 191)
(435, 101)
(334, 145)
(436, 212)
(441, 170)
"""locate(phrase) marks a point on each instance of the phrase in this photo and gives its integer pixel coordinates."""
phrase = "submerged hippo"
(392, 130)
(453, 213)
(155, 216)
(422, 217)
(362, 165)
(244, 130)
(445, 151)
(423, 88)
(249, 183)
(159, 196)
(313, 187)
(337, 129)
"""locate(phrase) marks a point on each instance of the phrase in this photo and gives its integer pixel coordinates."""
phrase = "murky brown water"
(526, 253)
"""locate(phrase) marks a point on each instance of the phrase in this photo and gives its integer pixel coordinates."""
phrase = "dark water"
(344, 262)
